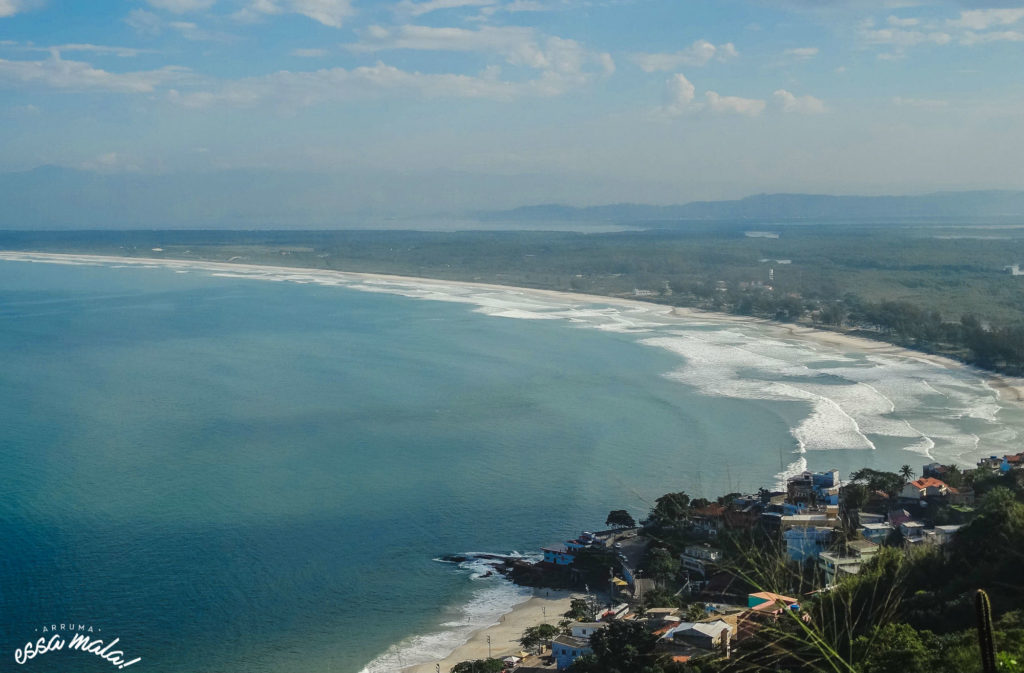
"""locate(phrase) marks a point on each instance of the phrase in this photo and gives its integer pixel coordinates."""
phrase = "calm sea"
(233, 474)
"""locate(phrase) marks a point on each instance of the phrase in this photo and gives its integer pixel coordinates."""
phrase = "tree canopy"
(620, 518)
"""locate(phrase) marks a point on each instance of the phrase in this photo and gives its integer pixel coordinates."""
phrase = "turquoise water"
(232, 474)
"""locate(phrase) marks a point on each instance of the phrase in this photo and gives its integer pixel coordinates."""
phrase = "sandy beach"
(547, 605)
(1010, 389)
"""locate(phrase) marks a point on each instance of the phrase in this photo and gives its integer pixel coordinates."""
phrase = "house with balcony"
(700, 558)
(839, 563)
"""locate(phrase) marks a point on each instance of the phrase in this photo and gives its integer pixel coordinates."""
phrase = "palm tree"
(907, 474)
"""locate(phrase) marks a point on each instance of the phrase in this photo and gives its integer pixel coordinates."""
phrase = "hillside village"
(698, 580)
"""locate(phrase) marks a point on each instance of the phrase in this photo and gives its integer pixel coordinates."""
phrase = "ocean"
(236, 469)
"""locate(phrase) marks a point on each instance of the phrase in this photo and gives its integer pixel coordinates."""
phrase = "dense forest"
(943, 288)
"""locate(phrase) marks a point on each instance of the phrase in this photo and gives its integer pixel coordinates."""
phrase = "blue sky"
(575, 101)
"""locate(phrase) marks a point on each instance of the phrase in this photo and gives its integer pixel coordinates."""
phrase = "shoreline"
(506, 631)
(546, 605)
(1008, 389)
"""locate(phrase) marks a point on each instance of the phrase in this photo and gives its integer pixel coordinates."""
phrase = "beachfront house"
(568, 648)
(558, 555)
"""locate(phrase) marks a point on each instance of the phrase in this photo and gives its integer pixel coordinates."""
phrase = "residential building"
(992, 463)
(912, 530)
(567, 649)
(1012, 462)
(837, 564)
(806, 542)
(558, 555)
(925, 487)
(708, 520)
(766, 600)
(944, 534)
(705, 635)
(585, 629)
(935, 470)
(814, 487)
(700, 558)
(876, 532)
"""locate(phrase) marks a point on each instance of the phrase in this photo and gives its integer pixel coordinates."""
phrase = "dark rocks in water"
(455, 558)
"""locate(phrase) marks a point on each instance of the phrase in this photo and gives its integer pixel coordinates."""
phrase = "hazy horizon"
(439, 106)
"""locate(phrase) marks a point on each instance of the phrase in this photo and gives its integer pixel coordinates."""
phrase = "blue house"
(567, 649)
(560, 555)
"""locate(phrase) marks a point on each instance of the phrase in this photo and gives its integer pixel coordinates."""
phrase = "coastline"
(506, 631)
(1008, 389)
(546, 605)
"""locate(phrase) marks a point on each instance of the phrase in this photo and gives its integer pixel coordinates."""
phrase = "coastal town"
(696, 581)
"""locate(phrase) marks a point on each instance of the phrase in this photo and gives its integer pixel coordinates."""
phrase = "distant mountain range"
(986, 204)
(53, 197)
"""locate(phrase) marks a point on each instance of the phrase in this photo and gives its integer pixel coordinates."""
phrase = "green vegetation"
(479, 666)
(619, 518)
(536, 638)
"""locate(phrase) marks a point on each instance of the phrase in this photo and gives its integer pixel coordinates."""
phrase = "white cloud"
(328, 12)
(799, 104)
(699, 53)
(310, 53)
(919, 102)
(751, 107)
(905, 38)
(294, 90)
(143, 22)
(519, 46)
(802, 52)
(679, 94)
(971, 38)
(192, 32)
(150, 24)
(900, 22)
(123, 52)
(504, 40)
(516, 6)
(982, 19)
(12, 7)
(181, 6)
(79, 76)
(410, 8)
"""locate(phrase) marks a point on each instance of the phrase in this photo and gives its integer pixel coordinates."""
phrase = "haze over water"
(232, 474)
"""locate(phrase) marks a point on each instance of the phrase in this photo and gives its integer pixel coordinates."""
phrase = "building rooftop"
(929, 482)
(708, 629)
(570, 641)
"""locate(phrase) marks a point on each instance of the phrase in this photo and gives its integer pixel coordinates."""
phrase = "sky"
(431, 105)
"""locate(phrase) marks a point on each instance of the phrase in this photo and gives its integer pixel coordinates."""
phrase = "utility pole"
(488, 647)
